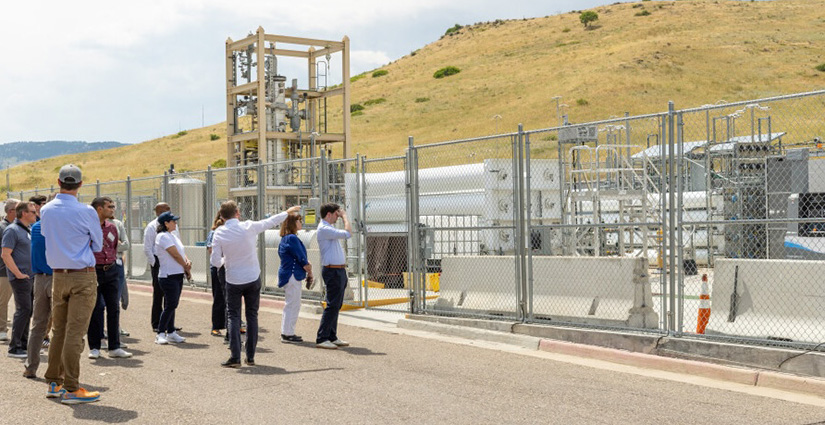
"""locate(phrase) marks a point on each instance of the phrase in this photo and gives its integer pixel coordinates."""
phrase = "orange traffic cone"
(704, 307)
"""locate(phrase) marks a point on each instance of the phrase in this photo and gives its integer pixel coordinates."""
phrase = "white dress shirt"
(150, 234)
(328, 243)
(236, 242)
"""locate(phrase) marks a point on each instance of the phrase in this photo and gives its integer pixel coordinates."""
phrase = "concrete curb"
(740, 375)
(523, 341)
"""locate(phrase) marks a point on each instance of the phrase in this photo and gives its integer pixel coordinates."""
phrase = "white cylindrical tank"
(272, 238)
(393, 209)
(186, 198)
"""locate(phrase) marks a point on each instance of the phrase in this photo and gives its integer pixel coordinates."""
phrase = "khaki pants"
(73, 299)
(5, 297)
(41, 318)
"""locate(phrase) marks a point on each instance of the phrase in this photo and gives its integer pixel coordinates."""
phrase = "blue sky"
(134, 71)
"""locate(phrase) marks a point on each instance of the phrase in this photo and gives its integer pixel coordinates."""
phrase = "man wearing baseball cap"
(73, 234)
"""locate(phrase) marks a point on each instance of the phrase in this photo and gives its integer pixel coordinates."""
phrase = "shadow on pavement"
(271, 370)
(361, 351)
(189, 334)
(108, 414)
(190, 346)
(109, 362)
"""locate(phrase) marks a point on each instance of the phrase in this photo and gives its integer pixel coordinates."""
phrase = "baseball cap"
(69, 173)
(167, 216)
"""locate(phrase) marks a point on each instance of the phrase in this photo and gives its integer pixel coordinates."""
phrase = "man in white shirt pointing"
(235, 241)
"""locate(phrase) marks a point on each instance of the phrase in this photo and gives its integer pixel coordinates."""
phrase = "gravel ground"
(384, 377)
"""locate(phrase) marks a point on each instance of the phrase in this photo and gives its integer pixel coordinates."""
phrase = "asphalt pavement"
(388, 375)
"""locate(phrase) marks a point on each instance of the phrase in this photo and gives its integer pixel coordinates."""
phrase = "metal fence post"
(323, 178)
(529, 226)
(209, 202)
(164, 189)
(671, 237)
(128, 224)
(412, 227)
(97, 189)
(261, 189)
(363, 214)
(519, 240)
(679, 217)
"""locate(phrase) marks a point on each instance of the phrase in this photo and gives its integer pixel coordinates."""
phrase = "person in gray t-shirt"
(5, 289)
(16, 254)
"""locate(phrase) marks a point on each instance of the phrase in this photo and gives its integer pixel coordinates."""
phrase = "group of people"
(63, 263)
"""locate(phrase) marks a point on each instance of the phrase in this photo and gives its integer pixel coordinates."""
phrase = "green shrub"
(566, 30)
(643, 13)
(220, 163)
(588, 17)
(355, 107)
(453, 29)
(637, 5)
(820, 67)
(180, 133)
(422, 99)
(582, 102)
(414, 52)
(357, 77)
(357, 113)
(214, 136)
(380, 73)
(378, 101)
(446, 72)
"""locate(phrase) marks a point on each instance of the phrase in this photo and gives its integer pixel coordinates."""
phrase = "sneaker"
(250, 362)
(120, 353)
(161, 339)
(233, 363)
(17, 353)
(80, 396)
(55, 391)
(216, 332)
(123, 332)
(174, 337)
(243, 328)
(327, 345)
(291, 339)
(94, 354)
(341, 343)
(46, 343)
(4, 336)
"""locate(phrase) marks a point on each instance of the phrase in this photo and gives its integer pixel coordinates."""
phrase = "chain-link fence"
(703, 222)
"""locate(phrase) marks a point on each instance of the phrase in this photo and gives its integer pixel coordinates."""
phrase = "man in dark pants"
(234, 242)
(149, 235)
(16, 255)
(334, 272)
(108, 285)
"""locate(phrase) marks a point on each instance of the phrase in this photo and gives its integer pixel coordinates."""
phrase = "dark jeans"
(108, 289)
(171, 286)
(157, 295)
(218, 298)
(251, 294)
(23, 290)
(335, 281)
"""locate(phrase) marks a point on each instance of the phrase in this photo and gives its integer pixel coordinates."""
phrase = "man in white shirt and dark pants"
(149, 235)
(236, 242)
(334, 272)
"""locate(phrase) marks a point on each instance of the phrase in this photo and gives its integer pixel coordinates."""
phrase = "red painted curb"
(649, 361)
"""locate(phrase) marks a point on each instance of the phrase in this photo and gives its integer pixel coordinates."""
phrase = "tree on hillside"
(588, 17)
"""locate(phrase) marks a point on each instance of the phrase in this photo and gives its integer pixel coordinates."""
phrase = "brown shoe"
(29, 375)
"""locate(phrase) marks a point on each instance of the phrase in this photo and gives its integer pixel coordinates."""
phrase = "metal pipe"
(128, 224)
(680, 209)
(671, 225)
(529, 231)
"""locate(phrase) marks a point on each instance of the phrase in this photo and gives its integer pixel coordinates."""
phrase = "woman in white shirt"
(173, 266)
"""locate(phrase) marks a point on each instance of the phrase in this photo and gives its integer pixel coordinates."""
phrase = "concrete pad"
(470, 333)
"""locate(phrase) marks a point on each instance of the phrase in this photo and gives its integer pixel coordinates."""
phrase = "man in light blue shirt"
(73, 234)
(334, 272)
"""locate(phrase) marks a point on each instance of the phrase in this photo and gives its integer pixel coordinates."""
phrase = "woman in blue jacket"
(294, 268)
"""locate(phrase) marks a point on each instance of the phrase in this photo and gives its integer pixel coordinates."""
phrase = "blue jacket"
(293, 259)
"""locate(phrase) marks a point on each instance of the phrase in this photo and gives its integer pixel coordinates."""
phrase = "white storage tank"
(187, 199)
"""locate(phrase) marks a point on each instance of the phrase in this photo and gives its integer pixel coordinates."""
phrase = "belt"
(336, 266)
(87, 269)
(104, 267)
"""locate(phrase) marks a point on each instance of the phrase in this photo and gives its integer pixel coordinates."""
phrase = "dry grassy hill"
(636, 58)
